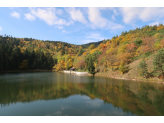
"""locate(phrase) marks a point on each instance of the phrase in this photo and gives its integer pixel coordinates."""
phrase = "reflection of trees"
(119, 95)
(159, 103)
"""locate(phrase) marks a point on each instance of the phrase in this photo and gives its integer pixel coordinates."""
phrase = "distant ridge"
(51, 41)
(88, 44)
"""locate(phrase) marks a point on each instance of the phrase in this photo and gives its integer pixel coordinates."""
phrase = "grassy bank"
(132, 74)
(118, 76)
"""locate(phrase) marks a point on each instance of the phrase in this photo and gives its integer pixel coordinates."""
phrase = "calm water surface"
(50, 93)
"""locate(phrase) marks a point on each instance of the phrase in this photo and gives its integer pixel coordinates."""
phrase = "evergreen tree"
(91, 68)
(158, 62)
(122, 33)
(142, 68)
(16, 55)
(49, 61)
(63, 52)
(80, 51)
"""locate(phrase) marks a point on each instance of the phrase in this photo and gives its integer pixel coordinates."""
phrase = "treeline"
(115, 54)
(88, 44)
(28, 53)
(11, 58)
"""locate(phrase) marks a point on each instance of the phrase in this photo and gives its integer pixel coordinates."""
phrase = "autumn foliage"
(111, 53)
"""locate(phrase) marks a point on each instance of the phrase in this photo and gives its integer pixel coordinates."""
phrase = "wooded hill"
(88, 44)
(115, 54)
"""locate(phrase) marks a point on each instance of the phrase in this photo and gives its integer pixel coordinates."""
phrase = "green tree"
(49, 60)
(16, 58)
(122, 67)
(67, 64)
(142, 68)
(158, 62)
(91, 68)
(92, 46)
(80, 51)
(1, 58)
(138, 42)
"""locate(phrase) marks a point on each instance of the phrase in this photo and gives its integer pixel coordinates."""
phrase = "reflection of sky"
(73, 105)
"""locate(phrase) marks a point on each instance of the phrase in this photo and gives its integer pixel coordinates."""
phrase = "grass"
(80, 70)
(147, 54)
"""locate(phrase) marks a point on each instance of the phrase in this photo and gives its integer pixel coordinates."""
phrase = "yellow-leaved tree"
(92, 46)
(122, 68)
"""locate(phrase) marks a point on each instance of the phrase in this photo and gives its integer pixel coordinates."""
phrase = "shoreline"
(133, 79)
(113, 76)
(26, 71)
(100, 74)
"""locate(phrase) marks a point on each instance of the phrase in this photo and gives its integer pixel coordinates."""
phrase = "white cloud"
(59, 11)
(155, 23)
(15, 14)
(113, 17)
(97, 20)
(59, 27)
(130, 15)
(95, 17)
(95, 36)
(49, 16)
(151, 13)
(114, 10)
(0, 28)
(29, 17)
(64, 31)
(112, 25)
(62, 22)
(87, 41)
(76, 15)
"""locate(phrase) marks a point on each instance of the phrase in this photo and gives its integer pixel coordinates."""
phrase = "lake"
(61, 94)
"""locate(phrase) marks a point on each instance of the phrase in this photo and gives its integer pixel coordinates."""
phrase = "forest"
(144, 45)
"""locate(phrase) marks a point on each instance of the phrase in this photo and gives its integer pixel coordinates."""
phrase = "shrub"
(158, 62)
(122, 67)
(91, 68)
(142, 68)
(138, 42)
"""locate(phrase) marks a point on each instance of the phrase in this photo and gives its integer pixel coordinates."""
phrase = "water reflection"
(97, 95)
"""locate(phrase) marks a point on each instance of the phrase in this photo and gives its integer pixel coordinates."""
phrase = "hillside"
(88, 44)
(127, 49)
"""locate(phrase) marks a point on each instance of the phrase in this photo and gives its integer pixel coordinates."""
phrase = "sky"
(75, 25)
